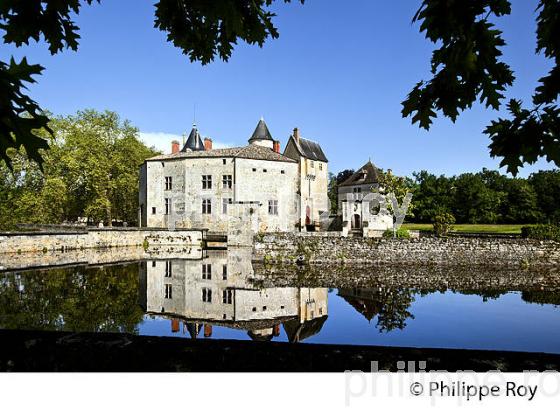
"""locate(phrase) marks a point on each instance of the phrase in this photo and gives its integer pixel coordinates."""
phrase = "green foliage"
(19, 114)
(399, 233)
(467, 67)
(442, 223)
(90, 171)
(542, 232)
(78, 300)
(399, 186)
(546, 185)
(488, 197)
(206, 29)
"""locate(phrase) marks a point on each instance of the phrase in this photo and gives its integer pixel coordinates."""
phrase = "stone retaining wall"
(277, 248)
(95, 238)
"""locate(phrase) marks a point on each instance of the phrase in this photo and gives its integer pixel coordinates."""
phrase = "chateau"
(197, 186)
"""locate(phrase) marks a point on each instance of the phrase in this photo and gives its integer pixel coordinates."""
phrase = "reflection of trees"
(541, 297)
(486, 294)
(77, 299)
(394, 311)
(390, 305)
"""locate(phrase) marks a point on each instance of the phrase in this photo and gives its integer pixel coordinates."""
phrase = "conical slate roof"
(194, 142)
(261, 132)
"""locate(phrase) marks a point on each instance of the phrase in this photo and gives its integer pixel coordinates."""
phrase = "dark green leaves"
(20, 115)
(204, 29)
(466, 67)
(529, 135)
(30, 19)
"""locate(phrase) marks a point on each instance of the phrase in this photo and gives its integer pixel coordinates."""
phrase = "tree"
(90, 171)
(546, 185)
(475, 202)
(521, 203)
(432, 195)
(466, 67)
(390, 183)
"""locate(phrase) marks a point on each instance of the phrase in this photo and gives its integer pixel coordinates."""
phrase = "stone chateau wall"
(19, 242)
(275, 248)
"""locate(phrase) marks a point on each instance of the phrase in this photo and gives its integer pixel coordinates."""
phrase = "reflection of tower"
(218, 290)
(313, 311)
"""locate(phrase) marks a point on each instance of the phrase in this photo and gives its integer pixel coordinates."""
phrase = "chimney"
(208, 328)
(207, 144)
(175, 146)
(296, 135)
(276, 146)
(174, 325)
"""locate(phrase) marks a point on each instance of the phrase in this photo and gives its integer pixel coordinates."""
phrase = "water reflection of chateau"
(220, 290)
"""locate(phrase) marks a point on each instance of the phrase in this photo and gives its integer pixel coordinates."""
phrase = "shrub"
(543, 232)
(442, 223)
(400, 233)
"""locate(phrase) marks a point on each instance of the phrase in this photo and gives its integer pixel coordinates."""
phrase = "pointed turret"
(194, 142)
(261, 135)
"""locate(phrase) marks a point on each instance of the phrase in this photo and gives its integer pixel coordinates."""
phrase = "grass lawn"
(471, 228)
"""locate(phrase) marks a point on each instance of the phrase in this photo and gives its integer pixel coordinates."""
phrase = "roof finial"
(194, 115)
(262, 118)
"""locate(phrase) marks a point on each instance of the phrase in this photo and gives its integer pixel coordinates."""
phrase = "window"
(254, 169)
(153, 210)
(357, 190)
(282, 307)
(225, 203)
(224, 161)
(264, 170)
(312, 164)
(264, 308)
(206, 181)
(227, 296)
(206, 271)
(224, 272)
(227, 181)
(321, 311)
(167, 206)
(168, 183)
(168, 291)
(207, 295)
(273, 207)
(254, 309)
(153, 264)
(320, 166)
(168, 269)
(282, 172)
(206, 206)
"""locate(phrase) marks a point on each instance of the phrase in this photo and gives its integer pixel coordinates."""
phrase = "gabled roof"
(297, 331)
(249, 152)
(309, 149)
(194, 142)
(368, 174)
(261, 132)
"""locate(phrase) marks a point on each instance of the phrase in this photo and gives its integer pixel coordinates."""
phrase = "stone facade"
(313, 181)
(460, 251)
(206, 188)
(362, 204)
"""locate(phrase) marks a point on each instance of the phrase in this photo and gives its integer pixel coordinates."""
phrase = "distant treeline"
(90, 173)
(485, 197)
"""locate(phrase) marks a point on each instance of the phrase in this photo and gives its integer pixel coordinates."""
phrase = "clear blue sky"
(338, 72)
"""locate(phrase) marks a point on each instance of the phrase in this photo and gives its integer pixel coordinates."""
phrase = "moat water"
(221, 295)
